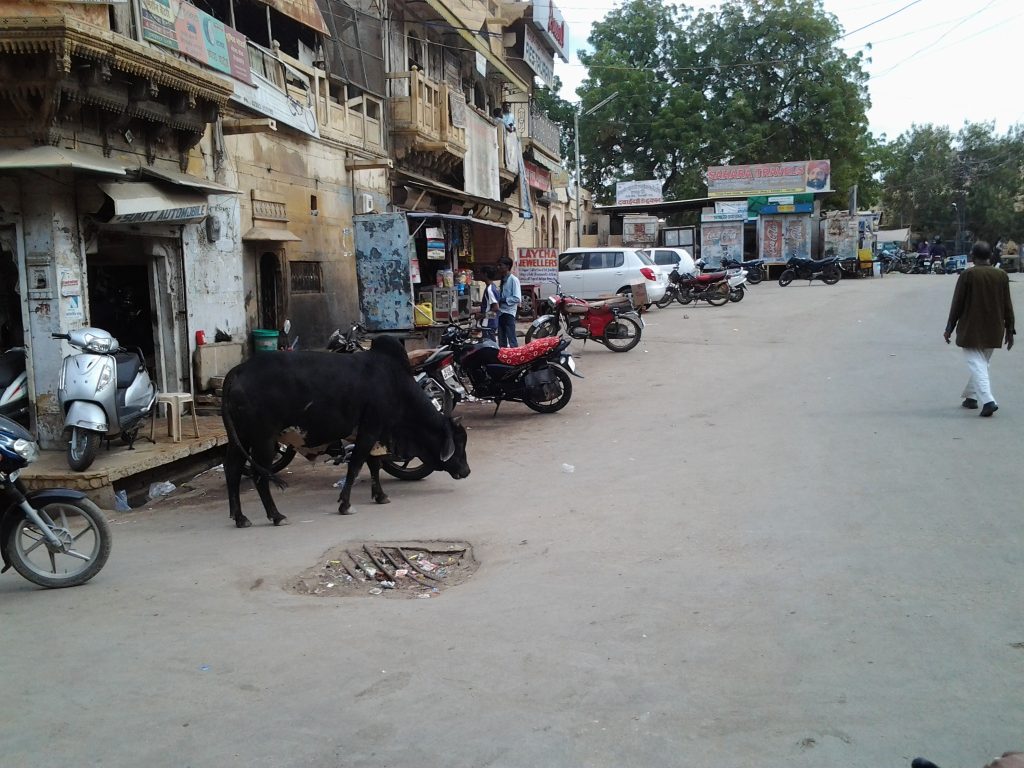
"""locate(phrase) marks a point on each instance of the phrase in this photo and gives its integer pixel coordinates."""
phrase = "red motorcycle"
(612, 321)
(712, 287)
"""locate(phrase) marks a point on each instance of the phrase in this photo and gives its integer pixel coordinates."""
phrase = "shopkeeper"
(510, 297)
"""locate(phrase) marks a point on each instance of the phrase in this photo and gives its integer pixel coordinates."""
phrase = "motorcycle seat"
(611, 301)
(710, 277)
(128, 364)
(418, 357)
(533, 350)
(12, 365)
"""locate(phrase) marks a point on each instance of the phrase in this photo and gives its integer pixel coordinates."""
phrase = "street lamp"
(958, 247)
(576, 134)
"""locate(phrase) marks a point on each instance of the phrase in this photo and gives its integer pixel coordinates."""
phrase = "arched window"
(554, 232)
(543, 231)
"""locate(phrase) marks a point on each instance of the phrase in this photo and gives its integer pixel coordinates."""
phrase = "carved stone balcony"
(423, 115)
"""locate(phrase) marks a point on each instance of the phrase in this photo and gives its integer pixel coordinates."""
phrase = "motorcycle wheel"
(405, 469)
(719, 296)
(667, 299)
(736, 294)
(754, 276)
(80, 525)
(831, 276)
(82, 448)
(786, 277)
(621, 334)
(559, 402)
(685, 296)
(549, 328)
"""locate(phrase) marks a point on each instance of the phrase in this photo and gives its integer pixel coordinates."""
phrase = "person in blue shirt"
(510, 296)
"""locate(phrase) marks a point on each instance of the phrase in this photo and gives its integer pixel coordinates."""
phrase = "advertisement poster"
(796, 238)
(720, 240)
(841, 236)
(182, 27)
(538, 265)
(798, 177)
(771, 239)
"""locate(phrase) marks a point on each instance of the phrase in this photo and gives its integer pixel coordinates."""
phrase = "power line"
(879, 21)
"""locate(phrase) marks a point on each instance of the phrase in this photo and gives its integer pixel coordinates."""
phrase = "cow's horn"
(449, 448)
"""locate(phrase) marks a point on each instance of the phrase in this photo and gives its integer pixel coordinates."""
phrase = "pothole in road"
(419, 569)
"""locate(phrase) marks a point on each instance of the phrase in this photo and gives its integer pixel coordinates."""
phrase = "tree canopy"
(754, 81)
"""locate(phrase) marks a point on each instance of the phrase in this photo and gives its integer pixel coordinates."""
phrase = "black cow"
(325, 397)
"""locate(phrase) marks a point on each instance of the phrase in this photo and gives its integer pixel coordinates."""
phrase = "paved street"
(783, 544)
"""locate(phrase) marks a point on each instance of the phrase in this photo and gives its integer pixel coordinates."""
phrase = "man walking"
(982, 315)
(510, 297)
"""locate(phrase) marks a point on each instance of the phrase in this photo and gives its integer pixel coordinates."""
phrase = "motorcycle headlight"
(106, 376)
(99, 344)
(27, 449)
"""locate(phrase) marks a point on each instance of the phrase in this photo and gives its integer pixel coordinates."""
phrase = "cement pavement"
(782, 544)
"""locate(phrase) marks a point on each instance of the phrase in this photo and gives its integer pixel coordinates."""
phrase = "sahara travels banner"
(795, 177)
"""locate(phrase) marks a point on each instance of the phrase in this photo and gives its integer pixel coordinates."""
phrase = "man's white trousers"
(978, 386)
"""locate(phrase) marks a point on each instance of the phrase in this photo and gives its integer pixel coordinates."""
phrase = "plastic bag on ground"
(121, 501)
(157, 490)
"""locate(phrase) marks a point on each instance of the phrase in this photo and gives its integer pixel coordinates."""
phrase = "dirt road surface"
(782, 543)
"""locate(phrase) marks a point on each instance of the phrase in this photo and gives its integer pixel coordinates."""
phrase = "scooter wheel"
(82, 448)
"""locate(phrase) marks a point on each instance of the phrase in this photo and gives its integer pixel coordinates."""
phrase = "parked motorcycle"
(14, 385)
(104, 391)
(54, 537)
(808, 269)
(712, 287)
(536, 375)
(754, 268)
(613, 321)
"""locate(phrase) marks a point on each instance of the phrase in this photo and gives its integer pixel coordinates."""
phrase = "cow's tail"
(229, 424)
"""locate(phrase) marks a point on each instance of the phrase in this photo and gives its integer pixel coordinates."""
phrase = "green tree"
(754, 81)
(560, 112)
(920, 170)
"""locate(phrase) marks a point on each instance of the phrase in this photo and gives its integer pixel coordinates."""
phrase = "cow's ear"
(449, 447)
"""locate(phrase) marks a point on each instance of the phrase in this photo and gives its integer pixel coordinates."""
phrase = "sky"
(932, 61)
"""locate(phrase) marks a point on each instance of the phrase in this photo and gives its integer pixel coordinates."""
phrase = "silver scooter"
(104, 391)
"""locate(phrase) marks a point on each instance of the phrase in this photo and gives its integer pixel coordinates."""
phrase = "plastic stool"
(175, 402)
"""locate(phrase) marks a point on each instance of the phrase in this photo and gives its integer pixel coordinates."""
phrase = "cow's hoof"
(243, 522)
(346, 510)
(382, 499)
(279, 520)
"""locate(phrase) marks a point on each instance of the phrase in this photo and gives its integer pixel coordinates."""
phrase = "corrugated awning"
(57, 157)
(271, 234)
(541, 158)
(453, 217)
(139, 202)
(303, 11)
(184, 180)
(473, 38)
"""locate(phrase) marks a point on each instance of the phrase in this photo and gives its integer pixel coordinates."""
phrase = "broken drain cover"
(409, 569)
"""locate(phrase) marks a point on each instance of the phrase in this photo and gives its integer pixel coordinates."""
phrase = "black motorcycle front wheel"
(558, 402)
(786, 277)
(542, 330)
(405, 469)
(668, 298)
(82, 529)
(621, 334)
(754, 276)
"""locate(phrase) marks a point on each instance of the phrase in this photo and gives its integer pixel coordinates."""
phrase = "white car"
(596, 273)
(667, 259)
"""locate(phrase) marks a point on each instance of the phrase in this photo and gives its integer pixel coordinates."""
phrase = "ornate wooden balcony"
(421, 118)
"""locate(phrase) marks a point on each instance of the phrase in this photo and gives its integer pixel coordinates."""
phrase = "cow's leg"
(375, 489)
(264, 456)
(234, 462)
(360, 454)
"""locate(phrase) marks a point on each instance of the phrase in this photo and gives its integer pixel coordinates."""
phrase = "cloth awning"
(271, 234)
(57, 157)
(305, 12)
(453, 217)
(139, 202)
(185, 180)
(893, 235)
(440, 188)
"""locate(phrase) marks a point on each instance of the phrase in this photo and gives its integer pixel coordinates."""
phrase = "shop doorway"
(271, 307)
(12, 329)
(120, 303)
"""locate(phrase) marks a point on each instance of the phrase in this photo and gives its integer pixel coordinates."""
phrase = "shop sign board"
(638, 192)
(640, 232)
(730, 216)
(538, 177)
(801, 176)
(267, 99)
(537, 57)
(841, 236)
(548, 20)
(182, 27)
(536, 266)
